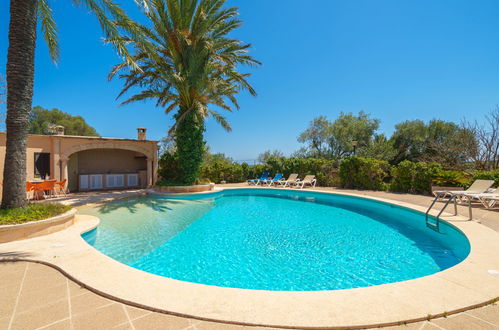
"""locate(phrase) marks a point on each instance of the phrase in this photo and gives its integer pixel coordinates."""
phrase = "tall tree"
(189, 66)
(24, 16)
(42, 121)
(348, 128)
(325, 139)
(316, 137)
(409, 138)
(483, 141)
(437, 141)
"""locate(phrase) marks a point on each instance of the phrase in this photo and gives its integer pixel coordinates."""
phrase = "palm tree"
(189, 66)
(24, 16)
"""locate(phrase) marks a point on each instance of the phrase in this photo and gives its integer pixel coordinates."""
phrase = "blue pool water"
(274, 239)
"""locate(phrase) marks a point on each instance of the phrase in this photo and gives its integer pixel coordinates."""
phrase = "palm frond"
(187, 61)
(49, 29)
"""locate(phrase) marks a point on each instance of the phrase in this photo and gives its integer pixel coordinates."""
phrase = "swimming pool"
(270, 239)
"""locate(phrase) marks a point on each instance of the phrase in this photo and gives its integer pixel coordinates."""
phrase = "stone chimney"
(141, 133)
(57, 130)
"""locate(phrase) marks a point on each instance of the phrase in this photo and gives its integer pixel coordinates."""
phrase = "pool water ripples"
(274, 239)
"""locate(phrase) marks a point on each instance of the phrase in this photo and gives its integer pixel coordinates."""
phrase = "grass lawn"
(32, 212)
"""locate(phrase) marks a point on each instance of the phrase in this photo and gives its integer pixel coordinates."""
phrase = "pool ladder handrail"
(436, 225)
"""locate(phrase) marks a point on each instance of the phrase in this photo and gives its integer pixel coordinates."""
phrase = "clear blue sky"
(395, 59)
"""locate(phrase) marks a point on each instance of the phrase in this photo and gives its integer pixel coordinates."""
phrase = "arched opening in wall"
(99, 169)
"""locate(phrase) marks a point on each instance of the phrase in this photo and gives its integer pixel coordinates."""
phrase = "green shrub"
(451, 178)
(168, 169)
(486, 175)
(363, 173)
(218, 168)
(413, 177)
(32, 212)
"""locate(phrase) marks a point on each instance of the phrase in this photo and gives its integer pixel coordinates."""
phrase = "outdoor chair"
(477, 187)
(30, 188)
(488, 200)
(47, 188)
(292, 179)
(265, 176)
(60, 187)
(308, 180)
(277, 178)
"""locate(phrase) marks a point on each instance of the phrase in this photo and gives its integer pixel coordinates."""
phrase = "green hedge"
(486, 175)
(352, 172)
(413, 177)
(363, 173)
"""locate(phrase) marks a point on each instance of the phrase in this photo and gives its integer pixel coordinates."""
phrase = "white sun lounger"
(292, 179)
(487, 199)
(477, 187)
(308, 180)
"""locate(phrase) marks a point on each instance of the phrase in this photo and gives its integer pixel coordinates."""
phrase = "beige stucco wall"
(63, 148)
(110, 161)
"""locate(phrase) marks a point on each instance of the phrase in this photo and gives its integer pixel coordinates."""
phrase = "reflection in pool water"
(274, 239)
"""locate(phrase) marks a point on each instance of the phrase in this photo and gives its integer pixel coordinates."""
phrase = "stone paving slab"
(73, 307)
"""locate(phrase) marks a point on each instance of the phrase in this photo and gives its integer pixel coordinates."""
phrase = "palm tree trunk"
(190, 148)
(20, 76)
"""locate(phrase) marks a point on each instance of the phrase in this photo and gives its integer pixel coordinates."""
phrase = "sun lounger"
(487, 199)
(293, 178)
(265, 176)
(308, 180)
(477, 187)
(276, 178)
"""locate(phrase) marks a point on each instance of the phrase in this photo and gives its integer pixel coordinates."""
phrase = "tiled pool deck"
(37, 296)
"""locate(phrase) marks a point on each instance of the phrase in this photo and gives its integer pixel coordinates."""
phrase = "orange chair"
(60, 186)
(45, 189)
(29, 188)
(38, 192)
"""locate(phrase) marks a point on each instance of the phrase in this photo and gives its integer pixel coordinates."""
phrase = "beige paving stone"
(8, 299)
(203, 325)
(124, 326)
(4, 322)
(75, 289)
(43, 296)
(134, 312)
(41, 316)
(161, 321)
(49, 280)
(462, 322)
(9, 279)
(409, 326)
(88, 301)
(13, 267)
(61, 325)
(430, 326)
(100, 318)
(488, 313)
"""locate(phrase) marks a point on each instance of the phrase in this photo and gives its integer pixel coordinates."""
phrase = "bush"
(218, 168)
(32, 212)
(451, 178)
(486, 175)
(413, 177)
(168, 169)
(363, 173)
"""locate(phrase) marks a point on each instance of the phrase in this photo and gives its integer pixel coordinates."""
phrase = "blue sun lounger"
(264, 177)
(277, 178)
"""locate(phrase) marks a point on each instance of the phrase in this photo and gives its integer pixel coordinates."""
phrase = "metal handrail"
(437, 223)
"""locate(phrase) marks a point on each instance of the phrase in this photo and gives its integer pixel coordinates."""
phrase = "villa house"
(90, 163)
